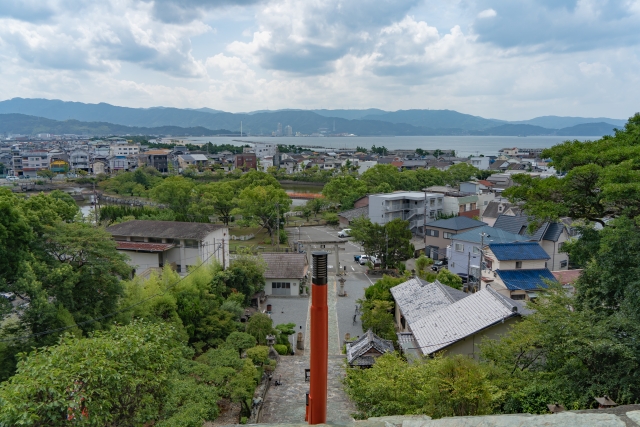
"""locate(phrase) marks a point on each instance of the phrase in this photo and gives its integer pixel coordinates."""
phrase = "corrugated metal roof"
(143, 246)
(456, 223)
(525, 279)
(492, 235)
(416, 298)
(519, 251)
(461, 319)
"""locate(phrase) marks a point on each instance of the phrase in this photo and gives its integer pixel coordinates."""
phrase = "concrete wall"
(143, 260)
(459, 261)
(552, 249)
(293, 291)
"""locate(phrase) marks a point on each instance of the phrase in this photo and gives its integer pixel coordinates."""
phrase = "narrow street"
(286, 403)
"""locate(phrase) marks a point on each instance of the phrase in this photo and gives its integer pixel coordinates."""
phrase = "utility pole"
(424, 224)
(278, 226)
(482, 236)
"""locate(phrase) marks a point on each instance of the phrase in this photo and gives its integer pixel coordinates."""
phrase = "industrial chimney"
(319, 356)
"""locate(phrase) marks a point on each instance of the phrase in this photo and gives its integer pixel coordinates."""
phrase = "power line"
(95, 319)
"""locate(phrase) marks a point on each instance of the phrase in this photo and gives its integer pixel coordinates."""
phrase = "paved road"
(285, 404)
(355, 279)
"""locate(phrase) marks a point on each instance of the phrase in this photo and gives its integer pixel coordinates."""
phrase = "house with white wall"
(465, 249)
(286, 273)
(550, 235)
(151, 245)
(516, 270)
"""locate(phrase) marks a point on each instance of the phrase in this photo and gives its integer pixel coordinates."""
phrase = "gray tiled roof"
(356, 350)
(492, 209)
(461, 319)
(456, 223)
(355, 213)
(416, 298)
(164, 229)
(285, 265)
(518, 224)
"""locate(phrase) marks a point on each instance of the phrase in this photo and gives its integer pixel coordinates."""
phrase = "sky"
(503, 59)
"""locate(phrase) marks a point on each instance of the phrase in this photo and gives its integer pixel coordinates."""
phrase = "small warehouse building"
(286, 273)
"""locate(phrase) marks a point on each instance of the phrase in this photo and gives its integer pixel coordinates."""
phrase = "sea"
(463, 145)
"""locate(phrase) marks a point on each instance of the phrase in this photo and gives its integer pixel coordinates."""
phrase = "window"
(459, 247)
(433, 233)
(564, 263)
(519, 297)
(518, 264)
(447, 235)
(476, 250)
(188, 243)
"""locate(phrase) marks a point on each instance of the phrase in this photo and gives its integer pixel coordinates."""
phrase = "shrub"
(259, 354)
(281, 349)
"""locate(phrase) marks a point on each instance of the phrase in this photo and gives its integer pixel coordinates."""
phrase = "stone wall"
(622, 416)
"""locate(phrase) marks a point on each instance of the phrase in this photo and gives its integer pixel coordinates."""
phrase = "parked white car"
(366, 258)
(344, 233)
(11, 178)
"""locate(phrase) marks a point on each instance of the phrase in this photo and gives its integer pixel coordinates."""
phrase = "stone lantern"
(341, 292)
(273, 354)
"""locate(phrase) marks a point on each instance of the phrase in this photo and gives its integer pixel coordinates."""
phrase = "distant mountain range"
(368, 122)
(30, 125)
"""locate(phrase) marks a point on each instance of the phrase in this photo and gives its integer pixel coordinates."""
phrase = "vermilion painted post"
(319, 351)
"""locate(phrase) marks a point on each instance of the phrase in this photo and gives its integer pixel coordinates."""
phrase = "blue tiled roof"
(519, 251)
(491, 235)
(525, 279)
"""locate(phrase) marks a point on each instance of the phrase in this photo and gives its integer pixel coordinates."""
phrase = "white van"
(344, 233)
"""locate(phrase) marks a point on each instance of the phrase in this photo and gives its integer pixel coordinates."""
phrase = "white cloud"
(325, 54)
(487, 13)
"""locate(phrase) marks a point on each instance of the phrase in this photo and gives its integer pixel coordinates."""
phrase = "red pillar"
(319, 351)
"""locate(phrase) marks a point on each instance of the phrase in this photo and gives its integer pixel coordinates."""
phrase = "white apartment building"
(414, 206)
(481, 163)
(124, 149)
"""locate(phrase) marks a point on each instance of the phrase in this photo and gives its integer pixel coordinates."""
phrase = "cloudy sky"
(503, 59)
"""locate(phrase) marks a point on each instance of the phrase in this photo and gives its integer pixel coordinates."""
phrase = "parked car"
(356, 258)
(468, 278)
(438, 265)
(11, 178)
(344, 233)
(366, 258)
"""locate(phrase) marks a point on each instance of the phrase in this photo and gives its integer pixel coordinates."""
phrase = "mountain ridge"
(364, 122)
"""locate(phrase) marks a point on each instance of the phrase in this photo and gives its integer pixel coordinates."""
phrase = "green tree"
(345, 190)
(259, 354)
(47, 174)
(438, 387)
(391, 242)
(379, 319)
(259, 326)
(240, 341)
(422, 263)
(263, 205)
(119, 377)
(176, 192)
(450, 279)
(216, 199)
